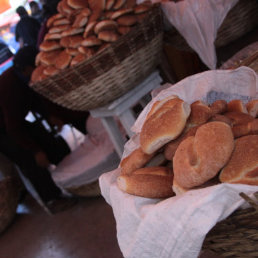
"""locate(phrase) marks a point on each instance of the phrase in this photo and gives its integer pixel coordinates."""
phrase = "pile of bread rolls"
(184, 147)
(83, 28)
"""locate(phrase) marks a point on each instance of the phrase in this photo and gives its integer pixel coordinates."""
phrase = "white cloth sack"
(198, 22)
(176, 227)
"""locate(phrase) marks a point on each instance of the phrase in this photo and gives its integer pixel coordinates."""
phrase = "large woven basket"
(111, 73)
(241, 19)
(236, 236)
(9, 197)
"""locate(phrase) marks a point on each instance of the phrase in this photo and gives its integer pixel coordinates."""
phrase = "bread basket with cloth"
(213, 216)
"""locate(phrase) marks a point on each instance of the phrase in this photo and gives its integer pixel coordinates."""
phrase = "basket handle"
(253, 203)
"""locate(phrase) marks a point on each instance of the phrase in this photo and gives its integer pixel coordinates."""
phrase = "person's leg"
(39, 178)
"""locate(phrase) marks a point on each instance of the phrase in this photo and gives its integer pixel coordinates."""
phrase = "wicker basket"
(241, 19)
(111, 73)
(9, 196)
(236, 236)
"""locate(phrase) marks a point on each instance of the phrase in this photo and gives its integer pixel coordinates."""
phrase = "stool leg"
(127, 119)
(114, 133)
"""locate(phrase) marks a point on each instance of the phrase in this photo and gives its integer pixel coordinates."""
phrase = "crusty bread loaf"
(178, 189)
(137, 159)
(221, 118)
(164, 125)
(151, 182)
(242, 167)
(238, 118)
(170, 148)
(199, 158)
(200, 114)
(219, 107)
(245, 129)
(252, 108)
(236, 105)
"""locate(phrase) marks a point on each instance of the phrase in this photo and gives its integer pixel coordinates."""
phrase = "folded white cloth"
(174, 227)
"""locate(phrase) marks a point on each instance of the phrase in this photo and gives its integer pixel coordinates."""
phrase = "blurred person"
(26, 31)
(36, 12)
(49, 8)
(25, 143)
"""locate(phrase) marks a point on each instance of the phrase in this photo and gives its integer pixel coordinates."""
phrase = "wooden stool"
(122, 109)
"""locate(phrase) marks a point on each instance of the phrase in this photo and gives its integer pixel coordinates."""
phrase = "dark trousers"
(56, 149)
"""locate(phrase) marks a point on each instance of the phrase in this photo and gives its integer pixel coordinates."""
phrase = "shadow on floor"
(86, 230)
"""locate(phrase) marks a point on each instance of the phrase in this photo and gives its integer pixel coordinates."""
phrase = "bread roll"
(77, 4)
(53, 18)
(88, 52)
(141, 8)
(98, 5)
(49, 45)
(137, 159)
(200, 114)
(121, 12)
(199, 158)
(236, 105)
(75, 41)
(151, 182)
(127, 20)
(78, 59)
(72, 51)
(49, 58)
(63, 60)
(118, 4)
(52, 36)
(245, 129)
(109, 4)
(89, 29)
(50, 70)
(108, 36)
(80, 21)
(62, 21)
(105, 25)
(91, 41)
(72, 31)
(238, 118)
(38, 74)
(123, 29)
(219, 107)
(178, 189)
(221, 118)
(171, 147)
(58, 29)
(242, 167)
(164, 125)
(252, 108)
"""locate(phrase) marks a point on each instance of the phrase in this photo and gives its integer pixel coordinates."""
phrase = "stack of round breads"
(185, 147)
(83, 28)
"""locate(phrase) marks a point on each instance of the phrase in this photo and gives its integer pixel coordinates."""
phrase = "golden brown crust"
(141, 8)
(221, 118)
(236, 105)
(252, 108)
(58, 29)
(53, 18)
(130, 3)
(72, 31)
(200, 114)
(72, 51)
(123, 29)
(109, 4)
(52, 36)
(88, 52)
(50, 70)
(105, 25)
(49, 45)
(38, 74)
(245, 129)
(49, 58)
(108, 36)
(170, 148)
(75, 41)
(80, 21)
(91, 41)
(238, 118)
(62, 21)
(77, 4)
(89, 29)
(199, 158)
(164, 125)
(242, 167)
(137, 159)
(97, 4)
(63, 60)
(219, 107)
(78, 59)
(127, 20)
(118, 4)
(121, 12)
(151, 182)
